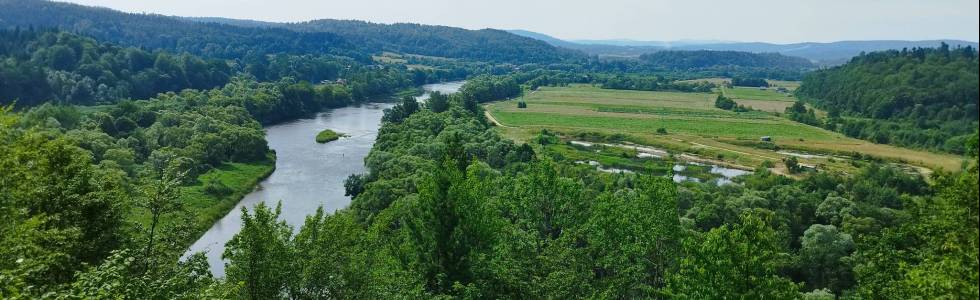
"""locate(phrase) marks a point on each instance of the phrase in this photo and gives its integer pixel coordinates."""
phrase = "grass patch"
(327, 135)
(692, 125)
(216, 192)
(239, 178)
(751, 93)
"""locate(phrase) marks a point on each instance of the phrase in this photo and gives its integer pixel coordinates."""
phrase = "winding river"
(308, 175)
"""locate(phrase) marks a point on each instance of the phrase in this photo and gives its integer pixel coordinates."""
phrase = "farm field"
(768, 100)
(692, 124)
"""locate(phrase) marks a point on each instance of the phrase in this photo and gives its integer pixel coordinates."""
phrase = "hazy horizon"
(748, 21)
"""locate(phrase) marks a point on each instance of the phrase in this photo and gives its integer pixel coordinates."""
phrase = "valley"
(692, 124)
(411, 150)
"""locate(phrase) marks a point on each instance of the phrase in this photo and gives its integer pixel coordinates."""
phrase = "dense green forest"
(728, 64)
(489, 45)
(42, 66)
(212, 39)
(752, 82)
(652, 83)
(449, 208)
(922, 97)
(124, 136)
(250, 41)
(709, 59)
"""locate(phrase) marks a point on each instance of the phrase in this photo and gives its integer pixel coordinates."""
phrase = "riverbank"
(308, 175)
(208, 206)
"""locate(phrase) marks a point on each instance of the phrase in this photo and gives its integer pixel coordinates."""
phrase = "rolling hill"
(833, 53)
(227, 38)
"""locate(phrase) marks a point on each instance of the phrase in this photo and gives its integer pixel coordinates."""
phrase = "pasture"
(692, 124)
(768, 100)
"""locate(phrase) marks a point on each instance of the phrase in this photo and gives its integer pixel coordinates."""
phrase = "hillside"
(832, 53)
(708, 59)
(444, 41)
(226, 38)
(923, 97)
(41, 66)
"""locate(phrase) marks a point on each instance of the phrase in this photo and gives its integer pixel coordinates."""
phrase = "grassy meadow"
(216, 192)
(692, 125)
(768, 100)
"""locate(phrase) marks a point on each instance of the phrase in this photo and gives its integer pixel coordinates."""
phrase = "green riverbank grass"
(206, 204)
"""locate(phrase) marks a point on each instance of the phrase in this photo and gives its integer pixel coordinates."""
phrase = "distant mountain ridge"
(231, 38)
(831, 53)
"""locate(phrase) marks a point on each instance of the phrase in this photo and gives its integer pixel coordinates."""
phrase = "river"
(308, 175)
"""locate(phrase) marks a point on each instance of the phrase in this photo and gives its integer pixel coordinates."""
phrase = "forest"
(124, 137)
(921, 97)
(212, 39)
(39, 66)
(729, 63)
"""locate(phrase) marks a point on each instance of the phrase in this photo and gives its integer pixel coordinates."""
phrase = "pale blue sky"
(781, 21)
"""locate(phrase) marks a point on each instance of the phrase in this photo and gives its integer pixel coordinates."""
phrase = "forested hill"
(214, 38)
(163, 32)
(710, 59)
(927, 95)
(728, 64)
(39, 66)
(444, 41)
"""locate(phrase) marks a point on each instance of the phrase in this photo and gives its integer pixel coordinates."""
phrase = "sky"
(778, 21)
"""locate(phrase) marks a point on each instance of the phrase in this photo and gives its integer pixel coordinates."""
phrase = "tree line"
(449, 208)
(38, 66)
(921, 97)
(477, 216)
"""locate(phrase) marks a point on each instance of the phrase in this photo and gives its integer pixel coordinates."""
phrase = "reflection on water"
(308, 175)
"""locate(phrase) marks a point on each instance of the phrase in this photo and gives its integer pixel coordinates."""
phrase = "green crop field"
(689, 119)
(758, 94)
(768, 100)
(584, 107)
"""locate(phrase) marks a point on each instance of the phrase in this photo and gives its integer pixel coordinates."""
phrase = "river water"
(308, 175)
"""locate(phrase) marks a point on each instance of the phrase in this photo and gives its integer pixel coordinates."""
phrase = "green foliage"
(240, 39)
(401, 111)
(920, 97)
(934, 254)
(59, 213)
(800, 113)
(824, 257)
(261, 255)
(725, 103)
(726, 63)
(327, 135)
(122, 275)
(652, 83)
(40, 66)
(750, 82)
(437, 102)
(793, 164)
(547, 138)
(217, 188)
(741, 260)
(489, 88)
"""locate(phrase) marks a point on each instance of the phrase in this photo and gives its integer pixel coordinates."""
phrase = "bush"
(793, 165)
(725, 103)
(327, 135)
(217, 188)
(752, 82)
